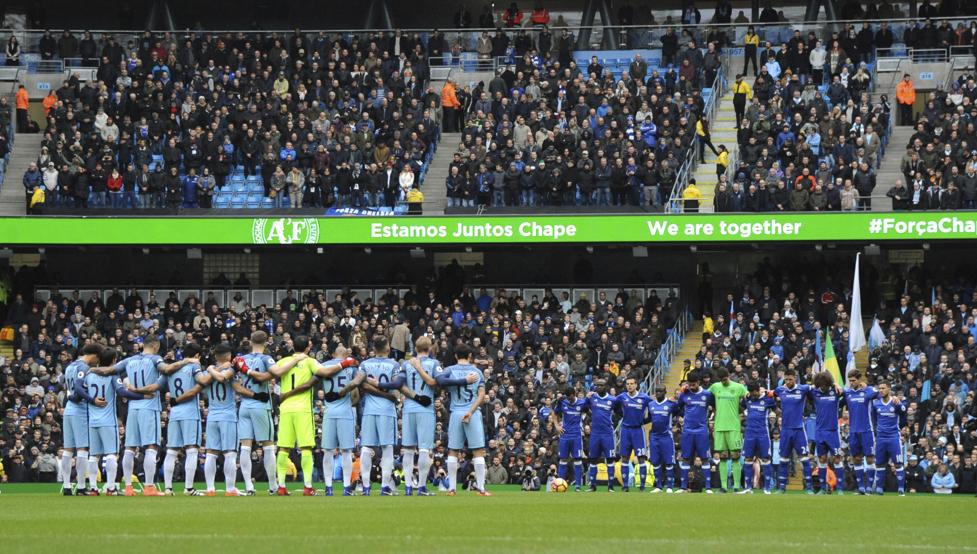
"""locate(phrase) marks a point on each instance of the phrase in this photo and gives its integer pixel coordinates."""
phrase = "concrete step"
(26, 148)
(435, 194)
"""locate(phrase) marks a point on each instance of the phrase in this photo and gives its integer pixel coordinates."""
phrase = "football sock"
(327, 465)
(610, 473)
(230, 471)
(92, 472)
(270, 462)
(784, 473)
(878, 479)
(423, 467)
(190, 468)
(452, 472)
(592, 471)
(767, 469)
(81, 468)
(307, 463)
(479, 463)
(66, 469)
(748, 474)
(860, 477)
(840, 477)
(128, 464)
(626, 474)
(806, 469)
(706, 476)
(169, 466)
(386, 465)
(561, 470)
(823, 476)
(210, 470)
(870, 473)
(578, 473)
(149, 466)
(901, 478)
(246, 468)
(737, 464)
(111, 469)
(281, 469)
(670, 476)
(408, 466)
(642, 474)
(347, 468)
(366, 466)
(684, 478)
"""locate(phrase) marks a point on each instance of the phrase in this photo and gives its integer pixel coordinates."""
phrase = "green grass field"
(35, 518)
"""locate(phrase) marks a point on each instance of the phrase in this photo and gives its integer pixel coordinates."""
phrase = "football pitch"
(35, 518)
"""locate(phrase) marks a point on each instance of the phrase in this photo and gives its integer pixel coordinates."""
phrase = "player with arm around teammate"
(889, 415)
(827, 399)
(793, 435)
(466, 388)
(756, 443)
(143, 417)
(75, 423)
(601, 447)
(103, 423)
(183, 428)
(861, 435)
(419, 420)
(570, 431)
(695, 402)
(661, 443)
(254, 419)
(339, 381)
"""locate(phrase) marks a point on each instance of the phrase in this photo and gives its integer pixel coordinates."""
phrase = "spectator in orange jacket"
(49, 101)
(450, 106)
(512, 17)
(906, 97)
(23, 103)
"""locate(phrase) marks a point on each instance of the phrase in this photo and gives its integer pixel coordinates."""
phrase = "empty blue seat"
(221, 202)
(253, 204)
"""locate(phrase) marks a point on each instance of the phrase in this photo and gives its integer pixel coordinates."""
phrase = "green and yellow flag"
(831, 361)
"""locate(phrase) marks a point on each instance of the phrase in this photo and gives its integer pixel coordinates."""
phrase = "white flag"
(876, 337)
(856, 335)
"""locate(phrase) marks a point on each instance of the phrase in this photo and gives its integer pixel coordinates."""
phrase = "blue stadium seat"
(267, 203)
(221, 202)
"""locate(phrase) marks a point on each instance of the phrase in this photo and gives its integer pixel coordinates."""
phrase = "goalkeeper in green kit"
(727, 429)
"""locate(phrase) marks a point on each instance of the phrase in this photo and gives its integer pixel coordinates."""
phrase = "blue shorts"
(861, 443)
(142, 428)
(632, 439)
(338, 433)
(601, 447)
(888, 450)
(418, 430)
(75, 431)
(182, 433)
(103, 441)
(662, 449)
(222, 436)
(571, 447)
(756, 446)
(695, 444)
(793, 440)
(255, 424)
(827, 443)
(378, 430)
(471, 433)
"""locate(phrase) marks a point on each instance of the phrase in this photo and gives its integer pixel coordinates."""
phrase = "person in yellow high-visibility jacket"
(741, 93)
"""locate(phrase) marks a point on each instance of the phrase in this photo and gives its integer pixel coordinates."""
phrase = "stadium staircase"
(26, 148)
(889, 171)
(723, 129)
(690, 346)
(435, 193)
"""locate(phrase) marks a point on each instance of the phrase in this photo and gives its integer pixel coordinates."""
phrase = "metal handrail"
(668, 350)
(692, 159)
(758, 25)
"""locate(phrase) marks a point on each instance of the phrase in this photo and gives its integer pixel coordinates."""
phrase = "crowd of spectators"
(302, 120)
(940, 163)
(928, 353)
(528, 348)
(552, 133)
